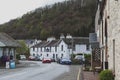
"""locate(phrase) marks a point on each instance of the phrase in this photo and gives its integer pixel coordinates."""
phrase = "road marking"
(78, 76)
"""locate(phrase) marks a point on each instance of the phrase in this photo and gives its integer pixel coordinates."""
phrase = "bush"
(74, 61)
(106, 75)
(17, 56)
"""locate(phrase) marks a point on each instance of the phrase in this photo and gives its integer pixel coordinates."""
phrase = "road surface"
(35, 70)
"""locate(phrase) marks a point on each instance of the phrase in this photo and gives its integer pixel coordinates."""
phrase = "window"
(33, 48)
(33, 54)
(55, 48)
(56, 55)
(114, 55)
(41, 49)
(61, 47)
(87, 47)
(40, 54)
(53, 56)
(106, 29)
(50, 49)
(61, 55)
(47, 50)
(37, 49)
(47, 55)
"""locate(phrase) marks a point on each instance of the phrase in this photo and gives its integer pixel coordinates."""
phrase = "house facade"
(108, 30)
(61, 48)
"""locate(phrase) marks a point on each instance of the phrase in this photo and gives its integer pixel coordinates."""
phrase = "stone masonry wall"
(113, 13)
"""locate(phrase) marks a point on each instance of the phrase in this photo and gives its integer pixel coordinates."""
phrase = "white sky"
(10, 9)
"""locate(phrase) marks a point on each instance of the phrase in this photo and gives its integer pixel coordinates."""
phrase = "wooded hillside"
(74, 16)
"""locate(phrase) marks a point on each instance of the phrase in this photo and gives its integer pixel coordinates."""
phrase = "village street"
(35, 70)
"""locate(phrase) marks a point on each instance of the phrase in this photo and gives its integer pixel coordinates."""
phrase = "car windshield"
(65, 59)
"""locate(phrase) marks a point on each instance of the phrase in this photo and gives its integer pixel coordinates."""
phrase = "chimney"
(62, 36)
(68, 36)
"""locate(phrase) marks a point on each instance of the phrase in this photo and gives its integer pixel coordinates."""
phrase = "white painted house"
(63, 47)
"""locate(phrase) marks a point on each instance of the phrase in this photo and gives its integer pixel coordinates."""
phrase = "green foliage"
(65, 17)
(18, 56)
(87, 56)
(74, 61)
(23, 49)
(87, 60)
(73, 56)
(106, 75)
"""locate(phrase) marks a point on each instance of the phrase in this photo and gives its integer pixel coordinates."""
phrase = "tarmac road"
(73, 74)
(35, 70)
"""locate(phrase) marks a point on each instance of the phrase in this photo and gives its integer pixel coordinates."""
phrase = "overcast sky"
(10, 9)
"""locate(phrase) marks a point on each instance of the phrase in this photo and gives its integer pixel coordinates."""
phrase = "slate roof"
(7, 41)
(76, 40)
(52, 43)
(29, 41)
(41, 44)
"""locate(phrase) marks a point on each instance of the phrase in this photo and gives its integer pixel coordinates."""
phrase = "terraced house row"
(61, 48)
(107, 28)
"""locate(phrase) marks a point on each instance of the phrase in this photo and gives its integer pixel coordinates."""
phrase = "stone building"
(107, 23)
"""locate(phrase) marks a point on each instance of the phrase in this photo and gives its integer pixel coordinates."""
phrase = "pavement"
(89, 75)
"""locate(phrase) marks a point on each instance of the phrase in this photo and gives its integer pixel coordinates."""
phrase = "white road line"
(78, 76)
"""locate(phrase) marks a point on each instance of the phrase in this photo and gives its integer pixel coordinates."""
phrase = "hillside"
(73, 16)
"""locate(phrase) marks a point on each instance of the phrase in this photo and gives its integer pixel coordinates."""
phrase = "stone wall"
(113, 15)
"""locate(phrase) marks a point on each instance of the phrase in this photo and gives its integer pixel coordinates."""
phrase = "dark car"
(65, 61)
(38, 58)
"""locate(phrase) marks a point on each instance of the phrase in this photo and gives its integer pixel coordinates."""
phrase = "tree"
(23, 49)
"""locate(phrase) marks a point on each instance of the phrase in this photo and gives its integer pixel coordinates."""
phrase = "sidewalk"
(87, 75)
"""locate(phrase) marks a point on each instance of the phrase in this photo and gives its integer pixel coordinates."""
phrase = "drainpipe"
(106, 46)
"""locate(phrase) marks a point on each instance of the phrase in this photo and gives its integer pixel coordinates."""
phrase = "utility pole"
(72, 49)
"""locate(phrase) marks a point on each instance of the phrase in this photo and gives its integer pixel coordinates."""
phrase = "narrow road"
(35, 70)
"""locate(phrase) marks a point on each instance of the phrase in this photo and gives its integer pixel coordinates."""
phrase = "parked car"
(52, 60)
(78, 57)
(58, 60)
(22, 57)
(31, 57)
(46, 60)
(65, 61)
(38, 58)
